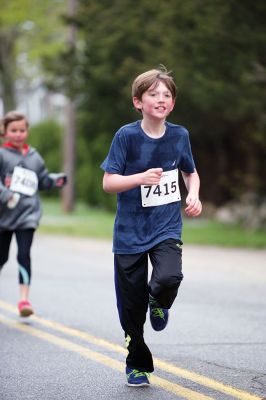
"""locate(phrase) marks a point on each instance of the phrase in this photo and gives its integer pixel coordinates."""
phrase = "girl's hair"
(11, 116)
(152, 78)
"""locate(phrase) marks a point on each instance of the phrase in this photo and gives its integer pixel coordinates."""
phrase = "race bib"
(24, 181)
(164, 193)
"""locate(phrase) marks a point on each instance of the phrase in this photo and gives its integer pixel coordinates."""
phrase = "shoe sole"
(137, 384)
(160, 329)
(26, 312)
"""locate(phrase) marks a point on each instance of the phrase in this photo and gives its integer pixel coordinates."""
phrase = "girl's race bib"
(164, 193)
(24, 181)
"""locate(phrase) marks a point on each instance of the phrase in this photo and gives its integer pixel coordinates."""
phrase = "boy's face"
(157, 102)
(16, 133)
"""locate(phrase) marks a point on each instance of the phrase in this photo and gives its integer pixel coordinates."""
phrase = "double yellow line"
(165, 384)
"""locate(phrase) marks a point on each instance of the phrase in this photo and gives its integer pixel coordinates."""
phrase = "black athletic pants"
(24, 239)
(132, 291)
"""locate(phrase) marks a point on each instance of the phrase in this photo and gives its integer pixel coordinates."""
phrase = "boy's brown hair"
(11, 116)
(152, 78)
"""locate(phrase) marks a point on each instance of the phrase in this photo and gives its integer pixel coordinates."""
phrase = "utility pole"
(7, 62)
(69, 146)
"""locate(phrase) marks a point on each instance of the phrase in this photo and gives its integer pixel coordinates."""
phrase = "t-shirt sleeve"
(115, 161)
(187, 163)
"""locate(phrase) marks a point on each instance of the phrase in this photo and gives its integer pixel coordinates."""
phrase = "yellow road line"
(69, 331)
(205, 381)
(101, 358)
(165, 366)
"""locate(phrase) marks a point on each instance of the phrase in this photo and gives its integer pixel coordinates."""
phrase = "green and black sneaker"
(158, 315)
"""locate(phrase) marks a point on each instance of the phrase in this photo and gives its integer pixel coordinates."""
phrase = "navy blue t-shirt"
(137, 228)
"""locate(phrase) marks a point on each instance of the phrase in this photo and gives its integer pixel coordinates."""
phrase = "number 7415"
(161, 190)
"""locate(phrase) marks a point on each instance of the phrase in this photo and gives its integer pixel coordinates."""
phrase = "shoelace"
(137, 373)
(158, 312)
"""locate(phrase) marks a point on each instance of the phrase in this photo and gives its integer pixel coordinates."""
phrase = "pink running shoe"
(25, 308)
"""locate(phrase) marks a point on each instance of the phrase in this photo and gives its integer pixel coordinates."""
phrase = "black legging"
(24, 239)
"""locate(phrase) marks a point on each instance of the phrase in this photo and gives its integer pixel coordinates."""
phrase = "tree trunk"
(7, 70)
(68, 193)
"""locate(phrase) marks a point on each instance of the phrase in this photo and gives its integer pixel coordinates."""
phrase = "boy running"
(142, 168)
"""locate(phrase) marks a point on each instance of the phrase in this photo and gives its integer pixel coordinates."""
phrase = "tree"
(68, 193)
(216, 52)
(25, 36)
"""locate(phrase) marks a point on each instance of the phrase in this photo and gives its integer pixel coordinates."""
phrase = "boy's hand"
(152, 176)
(194, 206)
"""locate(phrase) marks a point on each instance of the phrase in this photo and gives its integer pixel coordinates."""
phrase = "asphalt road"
(214, 346)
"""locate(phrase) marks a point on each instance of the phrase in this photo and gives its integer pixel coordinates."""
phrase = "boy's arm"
(192, 183)
(115, 183)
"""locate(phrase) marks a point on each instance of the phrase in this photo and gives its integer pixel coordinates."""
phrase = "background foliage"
(29, 31)
(216, 51)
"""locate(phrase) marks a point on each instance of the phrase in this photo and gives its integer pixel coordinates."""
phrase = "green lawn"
(84, 221)
(218, 234)
(96, 223)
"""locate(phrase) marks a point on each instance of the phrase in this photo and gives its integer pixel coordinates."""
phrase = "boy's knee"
(172, 281)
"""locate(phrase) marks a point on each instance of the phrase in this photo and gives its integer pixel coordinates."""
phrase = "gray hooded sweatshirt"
(27, 213)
